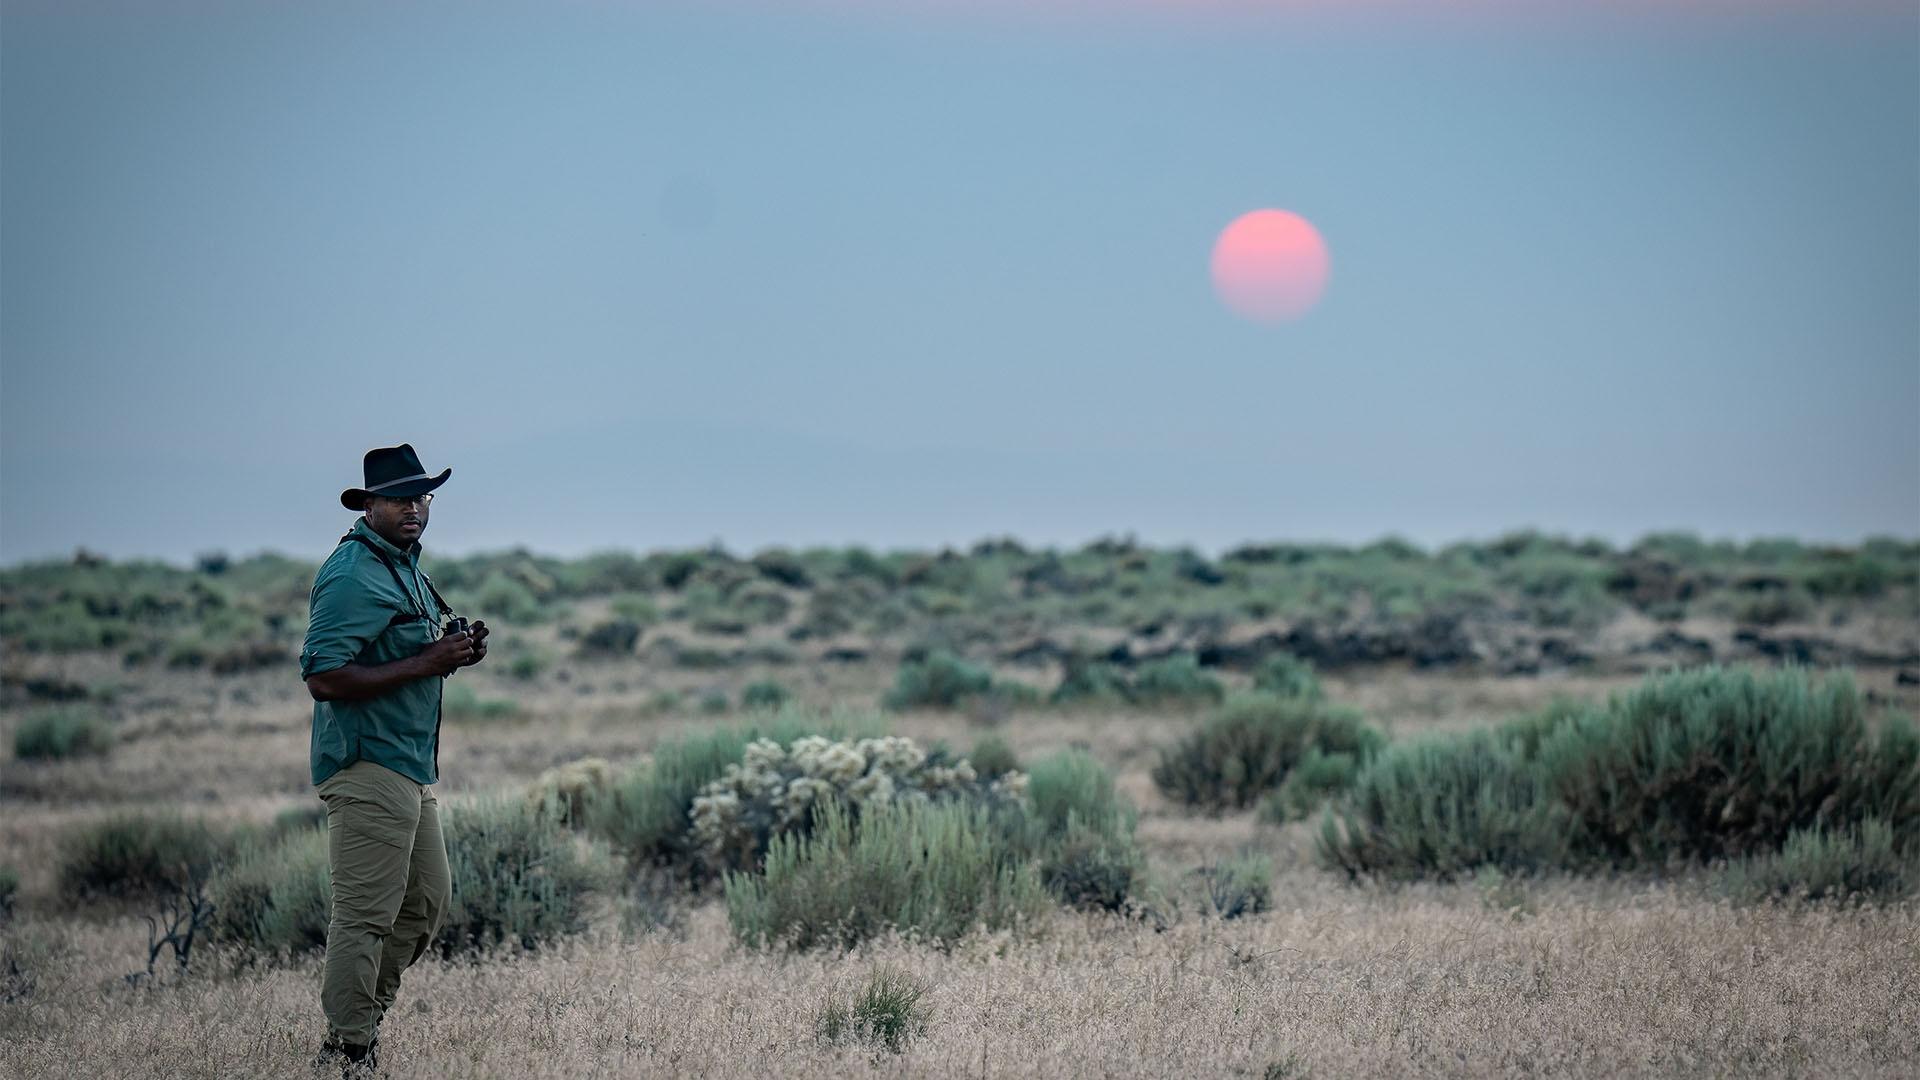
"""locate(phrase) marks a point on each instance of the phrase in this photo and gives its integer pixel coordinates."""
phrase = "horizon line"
(1129, 538)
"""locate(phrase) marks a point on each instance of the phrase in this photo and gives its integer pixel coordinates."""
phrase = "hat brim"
(356, 498)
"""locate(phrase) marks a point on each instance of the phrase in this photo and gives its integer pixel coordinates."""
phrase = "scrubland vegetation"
(1525, 807)
(1103, 610)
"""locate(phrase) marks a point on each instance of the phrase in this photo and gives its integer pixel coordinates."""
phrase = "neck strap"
(391, 569)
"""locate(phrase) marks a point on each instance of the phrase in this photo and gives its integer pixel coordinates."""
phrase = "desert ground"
(141, 692)
(1514, 977)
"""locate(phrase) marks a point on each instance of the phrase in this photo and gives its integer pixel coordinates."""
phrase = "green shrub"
(861, 563)
(1443, 807)
(612, 637)
(636, 609)
(644, 816)
(709, 610)
(888, 1012)
(505, 597)
(190, 652)
(1888, 784)
(1691, 766)
(1769, 607)
(1318, 778)
(519, 876)
(1858, 863)
(934, 870)
(830, 611)
(996, 705)
(782, 566)
(244, 656)
(1286, 675)
(59, 733)
(1720, 763)
(940, 680)
(1857, 577)
(701, 658)
(63, 627)
(764, 694)
(1247, 747)
(1176, 679)
(1527, 731)
(993, 757)
(1091, 869)
(1557, 587)
(714, 702)
(1081, 831)
(460, 701)
(677, 568)
(761, 605)
(275, 900)
(139, 856)
(1242, 885)
(307, 815)
(1092, 682)
(1072, 786)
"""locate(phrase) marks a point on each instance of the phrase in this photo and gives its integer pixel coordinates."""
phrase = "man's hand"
(479, 632)
(450, 652)
(362, 682)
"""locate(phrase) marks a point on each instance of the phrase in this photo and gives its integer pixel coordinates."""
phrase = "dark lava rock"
(44, 687)
(1806, 649)
(1800, 650)
(1644, 582)
(1682, 647)
(1435, 641)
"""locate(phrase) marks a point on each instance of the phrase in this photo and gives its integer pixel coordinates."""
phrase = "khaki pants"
(391, 888)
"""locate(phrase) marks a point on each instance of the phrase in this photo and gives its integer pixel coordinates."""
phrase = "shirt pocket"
(406, 637)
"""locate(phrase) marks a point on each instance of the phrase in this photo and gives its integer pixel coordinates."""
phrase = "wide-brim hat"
(393, 471)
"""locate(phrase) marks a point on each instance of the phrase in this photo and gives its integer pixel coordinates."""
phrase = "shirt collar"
(366, 530)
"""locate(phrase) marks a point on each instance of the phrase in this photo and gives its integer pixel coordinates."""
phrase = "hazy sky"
(907, 274)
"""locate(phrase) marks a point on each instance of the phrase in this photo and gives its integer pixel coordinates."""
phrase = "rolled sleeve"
(345, 617)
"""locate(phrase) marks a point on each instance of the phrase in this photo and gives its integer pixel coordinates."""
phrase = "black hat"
(392, 471)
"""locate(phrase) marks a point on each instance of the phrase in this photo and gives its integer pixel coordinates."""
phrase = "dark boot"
(353, 1061)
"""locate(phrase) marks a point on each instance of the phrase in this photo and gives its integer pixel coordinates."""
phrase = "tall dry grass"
(1430, 983)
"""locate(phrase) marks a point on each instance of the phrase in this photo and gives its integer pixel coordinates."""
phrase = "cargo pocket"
(366, 818)
(372, 801)
(369, 846)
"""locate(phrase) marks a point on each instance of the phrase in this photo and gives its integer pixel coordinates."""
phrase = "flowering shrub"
(775, 790)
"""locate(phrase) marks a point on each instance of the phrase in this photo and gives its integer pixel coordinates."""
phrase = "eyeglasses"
(404, 500)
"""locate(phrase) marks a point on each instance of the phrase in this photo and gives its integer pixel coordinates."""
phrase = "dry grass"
(1333, 985)
(1585, 978)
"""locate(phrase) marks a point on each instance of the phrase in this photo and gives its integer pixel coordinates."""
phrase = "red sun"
(1270, 266)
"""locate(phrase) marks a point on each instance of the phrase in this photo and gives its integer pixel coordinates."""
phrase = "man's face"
(398, 521)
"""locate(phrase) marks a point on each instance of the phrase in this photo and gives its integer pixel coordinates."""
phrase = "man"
(374, 661)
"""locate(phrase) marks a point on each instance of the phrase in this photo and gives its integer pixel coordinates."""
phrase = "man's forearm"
(358, 682)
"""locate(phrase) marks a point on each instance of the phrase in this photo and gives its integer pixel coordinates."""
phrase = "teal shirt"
(355, 618)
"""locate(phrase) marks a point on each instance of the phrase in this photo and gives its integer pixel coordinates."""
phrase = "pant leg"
(429, 893)
(373, 815)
